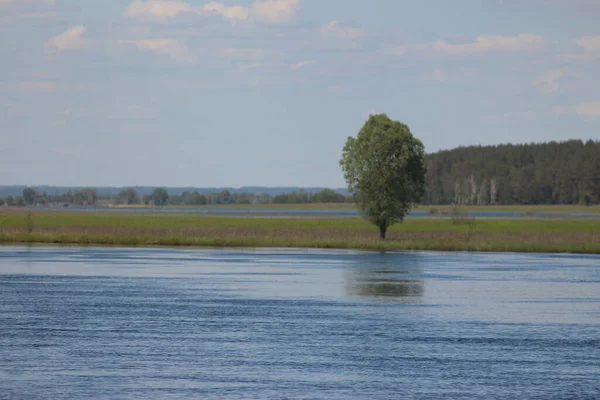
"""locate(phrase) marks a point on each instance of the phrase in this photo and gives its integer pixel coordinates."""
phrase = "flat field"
(172, 229)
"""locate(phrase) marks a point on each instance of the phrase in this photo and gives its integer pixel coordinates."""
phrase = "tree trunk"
(382, 231)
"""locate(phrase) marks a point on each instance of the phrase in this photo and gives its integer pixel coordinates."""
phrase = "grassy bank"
(143, 229)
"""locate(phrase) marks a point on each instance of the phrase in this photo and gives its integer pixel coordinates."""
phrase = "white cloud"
(175, 49)
(591, 109)
(492, 43)
(270, 11)
(549, 83)
(337, 29)
(69, 40)
(274, 11)
(590, 43)
(303, 64)
(590, 50)
(157, 9)
(163, 10)
(231, 12)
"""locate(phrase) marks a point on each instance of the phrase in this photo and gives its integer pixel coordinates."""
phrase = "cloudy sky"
(265, 92)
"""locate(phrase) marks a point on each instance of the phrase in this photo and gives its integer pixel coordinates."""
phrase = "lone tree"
(385, 168)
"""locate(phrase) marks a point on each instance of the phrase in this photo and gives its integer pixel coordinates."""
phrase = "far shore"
(434, 209)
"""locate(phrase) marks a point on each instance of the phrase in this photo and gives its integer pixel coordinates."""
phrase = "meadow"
(172, 229)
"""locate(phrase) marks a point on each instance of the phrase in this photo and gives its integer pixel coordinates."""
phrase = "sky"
(265, 92)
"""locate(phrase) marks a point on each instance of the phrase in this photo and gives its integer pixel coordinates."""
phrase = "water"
(214, 324)
(310, 213)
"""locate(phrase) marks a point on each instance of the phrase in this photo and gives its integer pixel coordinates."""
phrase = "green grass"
(107, 219)
(144, 229)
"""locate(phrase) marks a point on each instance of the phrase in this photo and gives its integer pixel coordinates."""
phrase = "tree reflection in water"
(386, 277)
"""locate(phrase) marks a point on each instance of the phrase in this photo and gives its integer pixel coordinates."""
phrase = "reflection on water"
(385, 288)
(386, 277)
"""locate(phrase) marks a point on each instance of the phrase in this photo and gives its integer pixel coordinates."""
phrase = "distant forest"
(546, 173)
(34, 196)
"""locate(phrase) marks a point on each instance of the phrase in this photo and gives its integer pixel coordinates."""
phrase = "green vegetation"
(128, 196)
(125, 228)
(546, 173)
(325, 196)
(160, 197)
(384, 167)
(31, 196)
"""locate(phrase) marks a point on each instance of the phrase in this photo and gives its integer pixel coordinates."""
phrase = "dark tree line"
(547, 173)
(31, 197)
(302, 197)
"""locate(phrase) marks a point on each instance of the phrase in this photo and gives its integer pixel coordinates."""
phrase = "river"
(108, 323)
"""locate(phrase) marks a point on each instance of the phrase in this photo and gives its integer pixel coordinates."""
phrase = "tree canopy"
(160, 197)
(128, 196)
(384, 167)
(543, 173)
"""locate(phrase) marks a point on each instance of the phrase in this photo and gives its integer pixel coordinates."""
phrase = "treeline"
(302, 197)
(547, 173)
(30, 196)
(161, 197)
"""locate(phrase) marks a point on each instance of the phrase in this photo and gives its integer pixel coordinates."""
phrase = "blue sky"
(241, 92)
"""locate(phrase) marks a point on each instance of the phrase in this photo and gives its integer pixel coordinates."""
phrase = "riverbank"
(350, 206)
(464, 234)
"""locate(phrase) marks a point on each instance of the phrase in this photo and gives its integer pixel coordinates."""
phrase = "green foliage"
(384, 167)
(147, 199)
(29, 196)
(81, 197)
(160, 197)
(128, 196)
(324, 196)
(189, 199)
(225, 197)
(85, 196)
(545, 173)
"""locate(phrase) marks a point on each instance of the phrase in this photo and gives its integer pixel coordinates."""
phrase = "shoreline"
(192, 230)
(290, 243)
(535, 209)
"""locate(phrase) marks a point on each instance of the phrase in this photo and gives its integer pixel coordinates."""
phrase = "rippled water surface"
(91, 323)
